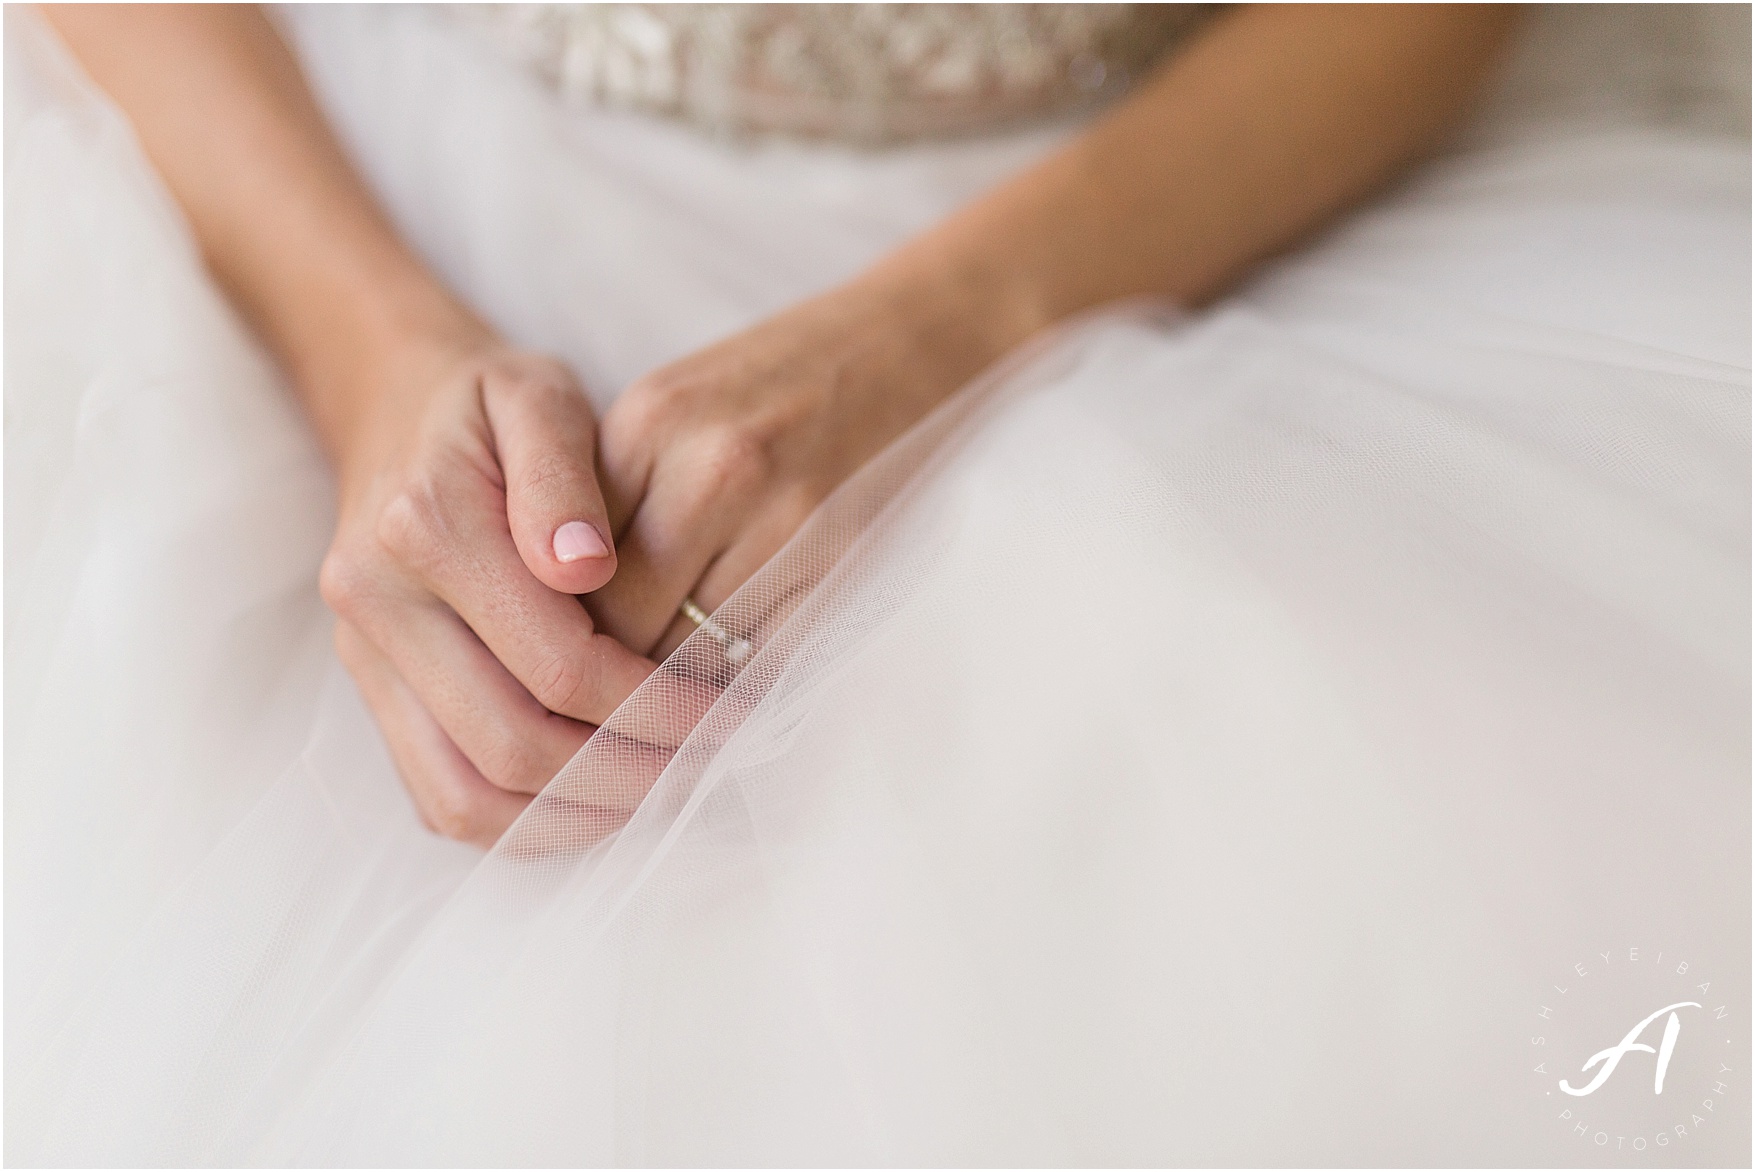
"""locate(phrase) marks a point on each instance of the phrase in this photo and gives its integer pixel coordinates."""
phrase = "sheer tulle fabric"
(1193, 744)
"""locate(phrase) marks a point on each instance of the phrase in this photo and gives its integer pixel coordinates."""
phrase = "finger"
(598, 791)
(451, 795)
(511, 739)
(546, 439)
(763, 536)
(454, 538)
(658, 576)
(689, 513)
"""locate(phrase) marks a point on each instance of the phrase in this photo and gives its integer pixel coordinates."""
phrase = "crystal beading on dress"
(862, 73)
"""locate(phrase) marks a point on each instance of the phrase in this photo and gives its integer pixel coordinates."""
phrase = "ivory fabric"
(1199, 743)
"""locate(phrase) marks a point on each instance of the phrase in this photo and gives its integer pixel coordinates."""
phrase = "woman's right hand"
(470, 518)
(470, 513)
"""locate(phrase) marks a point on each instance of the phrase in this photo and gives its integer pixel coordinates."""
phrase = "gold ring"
(736, 650)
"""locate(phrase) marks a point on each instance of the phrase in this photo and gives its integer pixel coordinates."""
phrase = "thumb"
(547, 443)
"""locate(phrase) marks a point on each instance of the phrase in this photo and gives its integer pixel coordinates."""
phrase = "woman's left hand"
(1273, 118)
(710, 464)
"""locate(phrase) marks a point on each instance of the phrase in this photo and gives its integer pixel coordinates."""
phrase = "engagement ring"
(736, 650)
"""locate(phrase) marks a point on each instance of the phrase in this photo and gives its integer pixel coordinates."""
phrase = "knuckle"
(452, 814)
(561, 682)
(510, 765)
(345, 581)
(652, 399)
(414, 526)
(730, 460)
(652, 407)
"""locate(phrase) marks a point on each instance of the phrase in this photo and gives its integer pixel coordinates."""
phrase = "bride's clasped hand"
(477, 493)
(711, 463)
(480, 503)
(469, 518)
(894, 585)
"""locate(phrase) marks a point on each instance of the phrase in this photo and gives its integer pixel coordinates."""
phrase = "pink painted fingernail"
(576, 541)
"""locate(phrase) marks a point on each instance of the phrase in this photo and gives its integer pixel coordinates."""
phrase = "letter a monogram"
(1611, 1057)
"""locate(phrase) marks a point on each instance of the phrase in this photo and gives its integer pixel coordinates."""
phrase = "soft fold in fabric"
(1200, 742)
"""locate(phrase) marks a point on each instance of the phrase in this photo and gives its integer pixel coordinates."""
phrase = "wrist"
(367, 373)
(950, 317)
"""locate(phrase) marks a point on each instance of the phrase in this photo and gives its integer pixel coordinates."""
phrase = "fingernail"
(576, 540)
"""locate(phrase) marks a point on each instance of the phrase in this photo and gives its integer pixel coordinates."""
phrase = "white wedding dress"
(1205, 741)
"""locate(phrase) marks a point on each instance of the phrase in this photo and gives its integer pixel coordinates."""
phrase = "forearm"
(1272, 121)
(281, 218)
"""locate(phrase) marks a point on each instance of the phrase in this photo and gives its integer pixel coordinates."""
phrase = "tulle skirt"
(1207, 739)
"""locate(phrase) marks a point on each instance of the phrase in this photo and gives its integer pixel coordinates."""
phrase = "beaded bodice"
(867, 73)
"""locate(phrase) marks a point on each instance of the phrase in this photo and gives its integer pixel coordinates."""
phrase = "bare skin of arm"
(464, 465)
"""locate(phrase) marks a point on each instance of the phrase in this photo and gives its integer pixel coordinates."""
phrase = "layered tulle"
(1197, 743)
